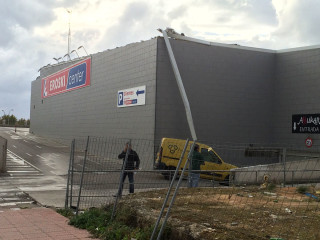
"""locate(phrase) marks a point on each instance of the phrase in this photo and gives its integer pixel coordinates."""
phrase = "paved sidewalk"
(37, 223)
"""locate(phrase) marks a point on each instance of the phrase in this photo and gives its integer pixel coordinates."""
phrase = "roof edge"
(298, 49)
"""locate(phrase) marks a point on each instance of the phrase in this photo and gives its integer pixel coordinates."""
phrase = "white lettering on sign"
(305, 120)
(57, 83)
(309, 129)
(77, 77)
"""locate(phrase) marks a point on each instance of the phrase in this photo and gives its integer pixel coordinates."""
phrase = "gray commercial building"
(237, 94)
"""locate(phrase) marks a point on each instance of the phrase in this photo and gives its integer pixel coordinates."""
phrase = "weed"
(124, 226)
(91, 219)
(302, 189)
(271, 187)
(68, 213)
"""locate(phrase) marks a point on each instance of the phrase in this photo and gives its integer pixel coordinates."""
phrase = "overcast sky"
(33, 32)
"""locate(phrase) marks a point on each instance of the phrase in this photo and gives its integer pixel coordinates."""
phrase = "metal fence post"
(284, 155)
(69, 172)
(169, 190)
(175, 192)
(72, 172)
(82, 173)
(190, 168)
(120, 183)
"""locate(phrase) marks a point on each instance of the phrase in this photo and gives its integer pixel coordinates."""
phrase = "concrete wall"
(305, 171)
(3, 154)
(230, 93)
(93, 110)
(296, 92)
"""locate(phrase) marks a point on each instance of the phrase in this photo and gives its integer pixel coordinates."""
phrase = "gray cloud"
(21, 53)
(22, 14)
(257, 11)
(19, 68)
(138, 22)
(135, 12)
(6, 33)
(299, 23)
(178, 12)
(27, 15)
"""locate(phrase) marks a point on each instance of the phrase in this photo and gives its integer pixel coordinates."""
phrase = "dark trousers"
(131, 182)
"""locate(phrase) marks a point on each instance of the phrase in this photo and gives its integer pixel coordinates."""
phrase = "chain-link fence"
(95, 169)
(279, 199)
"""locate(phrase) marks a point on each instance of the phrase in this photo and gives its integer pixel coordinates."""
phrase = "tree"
(9, 120)
(21, 122)
(12, 121)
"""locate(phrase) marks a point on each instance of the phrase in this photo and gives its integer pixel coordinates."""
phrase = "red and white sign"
(309, 142)
(132, 97)
(68, 79)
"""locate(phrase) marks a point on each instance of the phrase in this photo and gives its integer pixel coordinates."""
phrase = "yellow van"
(170, 152)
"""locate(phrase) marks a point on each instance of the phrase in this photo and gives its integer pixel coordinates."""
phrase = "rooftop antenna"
(69, 34)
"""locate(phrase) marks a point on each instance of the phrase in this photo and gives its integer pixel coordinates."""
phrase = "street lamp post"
(3, 117)
(11, 110)
(83, 49)
(69, 34)
(75, 52)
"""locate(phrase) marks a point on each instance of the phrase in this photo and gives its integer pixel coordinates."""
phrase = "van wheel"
(225, 182)
(169, 175)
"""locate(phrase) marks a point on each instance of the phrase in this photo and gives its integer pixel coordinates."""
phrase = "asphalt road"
(48, 162)
(49, 158)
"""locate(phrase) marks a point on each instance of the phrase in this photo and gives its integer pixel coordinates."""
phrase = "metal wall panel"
(93, 110)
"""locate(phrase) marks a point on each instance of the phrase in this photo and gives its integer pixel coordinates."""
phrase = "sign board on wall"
(132, 97)
(68, 79)
(306, 123)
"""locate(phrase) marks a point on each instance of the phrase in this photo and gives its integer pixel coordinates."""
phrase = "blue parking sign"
(120, 98)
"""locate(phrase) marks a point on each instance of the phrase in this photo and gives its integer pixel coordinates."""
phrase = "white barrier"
(292, 172)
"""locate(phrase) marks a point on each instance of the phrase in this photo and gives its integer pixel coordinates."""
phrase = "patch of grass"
(124, 226)
(68, 213)
(302, 189)
(271, 187)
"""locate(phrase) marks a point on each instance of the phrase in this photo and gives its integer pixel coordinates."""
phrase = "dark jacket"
(197, 160)
(132, 157)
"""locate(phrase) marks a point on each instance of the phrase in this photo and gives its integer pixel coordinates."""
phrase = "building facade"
(236, 94)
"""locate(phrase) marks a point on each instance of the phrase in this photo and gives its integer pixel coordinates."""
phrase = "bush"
(124, 226)
(68, 213)
(271, 186)
(302, 189)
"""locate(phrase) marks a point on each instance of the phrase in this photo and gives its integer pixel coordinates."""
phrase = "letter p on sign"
(120, 98)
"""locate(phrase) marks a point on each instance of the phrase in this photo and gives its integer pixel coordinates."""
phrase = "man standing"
(197, 161)
(133, 163)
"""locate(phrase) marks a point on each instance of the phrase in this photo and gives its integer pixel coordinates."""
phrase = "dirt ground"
(235, 213)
